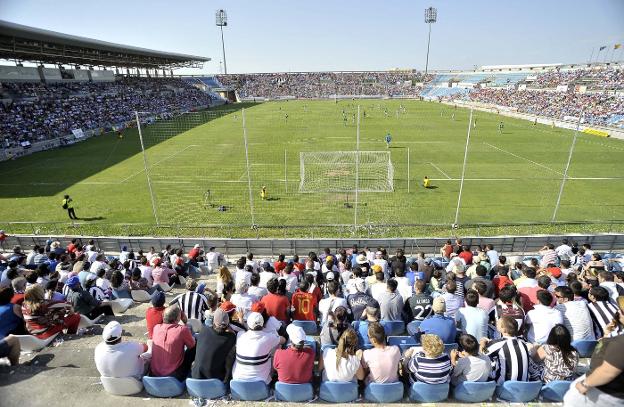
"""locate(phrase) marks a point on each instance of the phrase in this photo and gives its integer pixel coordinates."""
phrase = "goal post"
(340, 171)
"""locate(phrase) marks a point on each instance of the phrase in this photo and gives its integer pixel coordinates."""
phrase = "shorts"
(5, 349)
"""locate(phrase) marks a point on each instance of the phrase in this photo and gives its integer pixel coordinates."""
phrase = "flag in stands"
(616, 46)
(603, 47)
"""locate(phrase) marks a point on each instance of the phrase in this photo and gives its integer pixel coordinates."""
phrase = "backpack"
(65, 204)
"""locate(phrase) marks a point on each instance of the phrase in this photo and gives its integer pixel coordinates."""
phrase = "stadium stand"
(432, 370)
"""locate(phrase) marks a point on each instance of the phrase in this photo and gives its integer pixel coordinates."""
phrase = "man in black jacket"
(216, 350)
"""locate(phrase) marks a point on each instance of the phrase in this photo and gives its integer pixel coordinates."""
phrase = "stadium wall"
(512, 245)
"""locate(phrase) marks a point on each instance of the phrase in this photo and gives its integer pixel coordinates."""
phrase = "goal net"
(346, 171)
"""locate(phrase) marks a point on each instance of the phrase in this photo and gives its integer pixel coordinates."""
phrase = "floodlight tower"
(221, 21)
(431, 16)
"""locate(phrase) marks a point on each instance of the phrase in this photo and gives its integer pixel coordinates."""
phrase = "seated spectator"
(418, 306)
(558, 356)
(253, 351)
(84, 303)
(602, 311)
(213, 305)
(390, 302)
(606, 279)
(452, 301)
(117, 358)
(439, 324)
(45, 318)
(215, 350)
(276, 302)
(335, 326)
(173, 350)
(381, 363)
(432, 365)
(509, 354)
(271, 324)
(11, 319)
(481, 273)
(154, 314)
(528, 295)
(575, 315)
(342, 363)
(468, 364)
(95, 291)
(163, 274)
(304, 304)
(542, 318)
(377, 286)
(192, 303)
(471, 319)
(485, 303)
(294, 364)
(138, 282)
(331, 303)
(436, 283)
(51, 293)
(19, 286)
(372, 316)
(359, 300)
(603, 385)
(508, 306)
(527, 279)
(255, 290)
(404, 285)
(242, 299)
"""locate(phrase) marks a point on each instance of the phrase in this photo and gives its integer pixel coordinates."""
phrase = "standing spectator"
(468, 364)
(342, 363)
(439, 324)
(558, 356)
(471, 319)
(173, 350)
(576, 317)
(542, 318)
(432, 365)
(294, 364)
(253, 351)
(216, 350)
(381, 363)
(509, 354)
(117, 358)
(391, 302)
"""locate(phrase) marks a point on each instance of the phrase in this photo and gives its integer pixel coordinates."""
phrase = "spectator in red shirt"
(19, 286)
(446, 250)
(280, 264)
(154, 314)
(466, 254)
(71, 248)
(294, 364)
(275, 302)
(314, 288)
(304, 303)
(169, 356)
(193, 254)
(299, 267)
(553, 270)
(528, 295)
(501, 280)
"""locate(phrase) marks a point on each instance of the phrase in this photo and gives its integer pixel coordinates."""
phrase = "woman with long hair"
(337, 323)
(223, 278)
(45, 318)
(557, 355)
(342, 363)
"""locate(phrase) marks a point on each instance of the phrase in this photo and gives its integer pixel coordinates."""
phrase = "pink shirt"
(486, 304)
(161, 274)
(168, 348)
(383, 364)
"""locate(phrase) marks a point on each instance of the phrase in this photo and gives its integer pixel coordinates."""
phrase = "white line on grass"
(522, 158)
(441, 172)
(532, 179)
(158, 162)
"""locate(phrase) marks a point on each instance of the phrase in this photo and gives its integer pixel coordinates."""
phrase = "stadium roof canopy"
(23, 43)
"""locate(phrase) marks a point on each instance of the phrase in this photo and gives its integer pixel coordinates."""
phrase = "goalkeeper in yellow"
(426, 182)
(263, 193)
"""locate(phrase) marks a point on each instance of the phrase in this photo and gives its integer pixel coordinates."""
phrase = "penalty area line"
(522, 158)
(440, 170)
(159, 161)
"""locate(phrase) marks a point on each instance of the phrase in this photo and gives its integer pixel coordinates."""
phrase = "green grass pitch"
(511, 177)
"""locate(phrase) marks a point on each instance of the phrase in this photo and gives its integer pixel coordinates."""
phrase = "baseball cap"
(228, 307)
(295, 333)
(72, 282)
(377, 268)
(220, 319)
(158, 298)
(329, 276)
(439, 305)
(196, 246)
(112, 331)
(258, 307)
(255, 320)
(156, 261)
(361, 259)
(329, 258)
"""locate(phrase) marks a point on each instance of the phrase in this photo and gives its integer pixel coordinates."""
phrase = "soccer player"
(263, 193)
(500, 127)
(388, 139)
(426, 182)
(453, 117)
(67, 204)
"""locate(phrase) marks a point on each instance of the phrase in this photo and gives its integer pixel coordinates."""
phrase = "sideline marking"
(158, 162)
(522, 158)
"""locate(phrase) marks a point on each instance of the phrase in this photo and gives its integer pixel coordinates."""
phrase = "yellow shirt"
(426, 182)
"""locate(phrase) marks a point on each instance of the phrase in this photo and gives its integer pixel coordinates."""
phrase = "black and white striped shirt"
(192, 304)
(98, 293)
(511, 359)
(602, 313)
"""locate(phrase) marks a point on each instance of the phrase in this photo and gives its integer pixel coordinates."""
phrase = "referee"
(67, 204)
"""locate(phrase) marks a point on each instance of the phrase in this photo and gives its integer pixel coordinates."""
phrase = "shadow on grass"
(50, 172)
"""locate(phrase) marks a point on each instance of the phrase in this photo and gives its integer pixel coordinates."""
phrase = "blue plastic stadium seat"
(338, 392)
(384, 392)
(293, 392)
(518, 392)
(393, 327)
(428, 393)
(206, 388)
(412, 327)
(309, 327)
(474, 392)
(450, 346)
(402, 340)
(163, 386)
(555, 390)
(249, 390)
(585, 348)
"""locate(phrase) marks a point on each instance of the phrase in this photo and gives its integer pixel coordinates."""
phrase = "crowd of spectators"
(325, 84)
(595, 108)
(38, 111)
(507, 321)
(595, 79)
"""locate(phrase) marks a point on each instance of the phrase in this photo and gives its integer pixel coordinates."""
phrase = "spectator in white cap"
(294, 364)
(253, 351)
(117, 358)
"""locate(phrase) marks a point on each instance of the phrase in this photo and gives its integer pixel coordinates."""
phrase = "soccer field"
(510, 177)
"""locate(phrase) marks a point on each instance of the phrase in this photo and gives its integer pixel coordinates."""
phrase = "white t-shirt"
(541, 320)
(404, 288)
(377, 289)
(240, 277)
(334, 302)
(291, 282)
(346, 370)
(272, 326)
(212, 258)
(265, 277)
(254, 350)
(577, 319)
(120, 360)
(253, 264)
(146, 273)
(472, 369)
(257, 292)
(243, 303)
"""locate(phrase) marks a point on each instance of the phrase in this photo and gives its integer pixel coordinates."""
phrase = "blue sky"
(312, 35)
